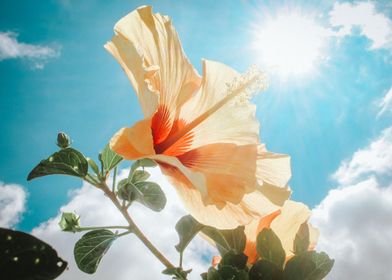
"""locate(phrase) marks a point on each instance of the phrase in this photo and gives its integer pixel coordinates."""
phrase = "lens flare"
(290, 43)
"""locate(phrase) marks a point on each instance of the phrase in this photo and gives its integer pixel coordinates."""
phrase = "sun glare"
(290, 43)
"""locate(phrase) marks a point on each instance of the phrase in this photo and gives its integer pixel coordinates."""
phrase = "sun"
(290, 43)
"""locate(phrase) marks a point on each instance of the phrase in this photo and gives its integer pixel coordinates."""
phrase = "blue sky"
(319, 119)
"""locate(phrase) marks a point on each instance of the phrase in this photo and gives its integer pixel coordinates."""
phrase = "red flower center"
(164, 131)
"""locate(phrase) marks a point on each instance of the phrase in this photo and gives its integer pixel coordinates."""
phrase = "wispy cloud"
(376, 159)
(374, 25)
(11, 48)
(12, 204)
(386, 102)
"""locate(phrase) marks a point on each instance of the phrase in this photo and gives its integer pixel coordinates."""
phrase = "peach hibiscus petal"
(285, 224)
(134, 142)
(216, 260)
(230, 215)
(221, 108)
(229, 170)
(273, 169)
(148, 48)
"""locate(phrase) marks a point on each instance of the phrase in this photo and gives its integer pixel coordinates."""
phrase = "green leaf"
(150, 195)
(265, 270)
(93, 165)
(308, 266)
(140, 175)
(227, 240)
(235, 260)
(146, 162)
(270, 248)
(147, 193)
(170, 271)
(109, 159)
(301, 241)
(187, 228)
(90, 249)
(126, 190)
(235, 238)
(24, 257)
(67, 161)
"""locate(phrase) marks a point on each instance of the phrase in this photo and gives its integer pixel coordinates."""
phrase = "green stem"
(124, 233)
(104, 227)
(181, 257)
(114, 179)
(131, 171)
(135, 229)
(90, 179)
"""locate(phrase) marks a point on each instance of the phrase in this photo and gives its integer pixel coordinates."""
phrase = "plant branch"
(103, 227)
(90, 179)
(124, 233)
(181, 257)
(135, 228)
(114, 179)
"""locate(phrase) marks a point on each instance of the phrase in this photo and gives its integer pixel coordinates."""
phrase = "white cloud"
(372, 24)
(386, 102)
(11, 48)
(355, 219)
(375, 159)
(12, 204)
(127, 258)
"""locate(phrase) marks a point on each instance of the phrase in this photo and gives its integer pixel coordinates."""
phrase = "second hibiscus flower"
(202, 131)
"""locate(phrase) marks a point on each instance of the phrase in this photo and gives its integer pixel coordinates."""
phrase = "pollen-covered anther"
(247, 85)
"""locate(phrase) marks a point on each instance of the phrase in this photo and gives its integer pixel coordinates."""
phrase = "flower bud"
(63, 140)
(69, 222)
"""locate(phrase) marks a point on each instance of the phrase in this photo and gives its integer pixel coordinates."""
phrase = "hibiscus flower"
(201, 130)
(285, 223)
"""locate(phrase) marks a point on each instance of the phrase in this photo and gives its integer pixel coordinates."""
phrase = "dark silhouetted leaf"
(270, 248)
(308, 266)
(227, 240)
(236, 260)
(228, 272)
(24, 257)
(265, 270)
(213, 274)
(90, 249)
(67, 161)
